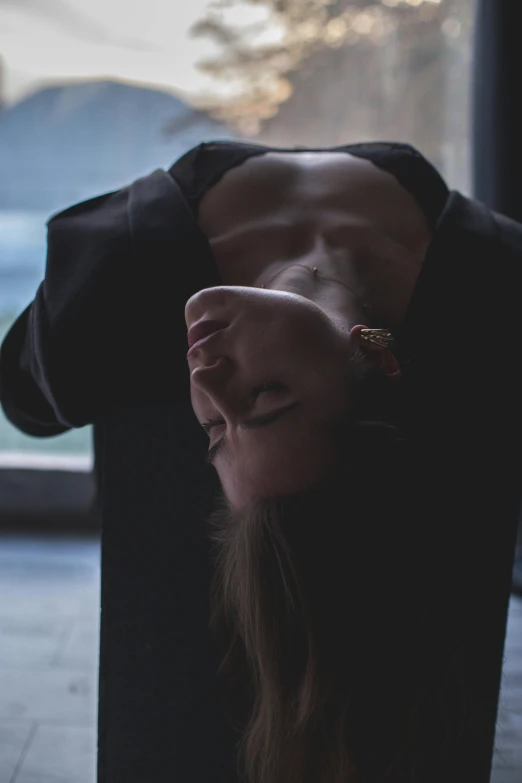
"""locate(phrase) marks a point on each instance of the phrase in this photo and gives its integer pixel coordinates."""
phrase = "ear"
(377, 355)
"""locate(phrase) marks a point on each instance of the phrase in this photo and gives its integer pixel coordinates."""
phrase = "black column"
(497, 127)
(497, 115)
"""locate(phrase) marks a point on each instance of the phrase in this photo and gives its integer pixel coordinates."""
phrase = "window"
(112, 92)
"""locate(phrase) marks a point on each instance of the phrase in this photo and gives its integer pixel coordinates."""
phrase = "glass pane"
(22, 264)
(335, 72)
(96, 94)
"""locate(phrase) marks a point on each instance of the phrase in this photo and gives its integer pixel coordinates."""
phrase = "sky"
(145, 42)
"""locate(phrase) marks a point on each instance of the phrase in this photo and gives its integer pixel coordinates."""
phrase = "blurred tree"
(325, 72)
(258, 54)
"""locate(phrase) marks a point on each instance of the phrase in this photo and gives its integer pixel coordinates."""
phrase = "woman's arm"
(23, 402)
(106, 327)
(39, 358)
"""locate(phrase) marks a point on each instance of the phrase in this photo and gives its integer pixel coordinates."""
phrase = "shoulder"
(490, 243)
(136, 214)
(509, 232)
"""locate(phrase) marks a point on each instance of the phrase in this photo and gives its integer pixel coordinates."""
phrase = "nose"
(213, 382)
(210, 377)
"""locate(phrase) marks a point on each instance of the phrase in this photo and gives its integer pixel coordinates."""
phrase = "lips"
(202, 329)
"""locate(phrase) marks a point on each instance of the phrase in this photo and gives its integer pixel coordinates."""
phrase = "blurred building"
(67, 143)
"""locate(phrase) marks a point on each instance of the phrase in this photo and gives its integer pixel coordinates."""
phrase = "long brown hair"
(320, 618)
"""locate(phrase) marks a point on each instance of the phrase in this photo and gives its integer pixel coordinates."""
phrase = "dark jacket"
(107, 325)
(106, 329)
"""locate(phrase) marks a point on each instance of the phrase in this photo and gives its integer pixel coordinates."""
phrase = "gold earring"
(380, 337)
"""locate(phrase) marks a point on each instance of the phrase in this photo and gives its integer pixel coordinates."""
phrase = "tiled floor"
(49, 627)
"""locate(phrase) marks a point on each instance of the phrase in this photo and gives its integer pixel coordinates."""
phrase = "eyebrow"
(255, 422)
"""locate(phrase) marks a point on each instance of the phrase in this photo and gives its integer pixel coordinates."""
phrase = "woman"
(333, 668)
(337, 244)
(319, 254)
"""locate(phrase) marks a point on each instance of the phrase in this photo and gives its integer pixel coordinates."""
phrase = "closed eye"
(256, 391)
(262, 420)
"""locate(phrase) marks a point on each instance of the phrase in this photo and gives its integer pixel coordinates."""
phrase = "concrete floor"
(49, 631)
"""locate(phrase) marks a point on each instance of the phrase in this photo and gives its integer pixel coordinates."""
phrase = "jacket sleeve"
(106, 327)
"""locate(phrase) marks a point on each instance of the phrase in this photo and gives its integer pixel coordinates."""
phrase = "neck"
(343, 306)
(333, 295)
